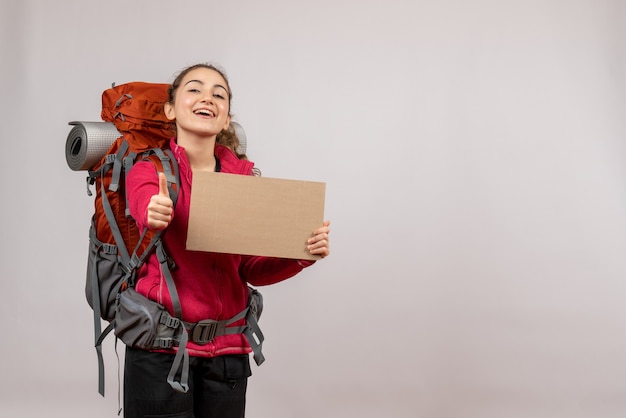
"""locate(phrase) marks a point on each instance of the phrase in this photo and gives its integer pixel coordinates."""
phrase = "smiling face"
(201, 104)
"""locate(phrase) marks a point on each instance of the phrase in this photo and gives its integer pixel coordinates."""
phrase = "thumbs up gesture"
(160, 208)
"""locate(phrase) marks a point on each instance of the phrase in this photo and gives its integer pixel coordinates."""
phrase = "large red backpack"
(136, 110)
(117, 247)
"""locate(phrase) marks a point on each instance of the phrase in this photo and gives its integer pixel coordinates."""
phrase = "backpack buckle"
(204, 331)
(164, 343)
(169, 321)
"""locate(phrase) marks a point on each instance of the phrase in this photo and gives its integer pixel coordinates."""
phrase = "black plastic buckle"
(169, 321)
(204, 331)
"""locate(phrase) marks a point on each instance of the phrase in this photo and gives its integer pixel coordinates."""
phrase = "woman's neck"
(200, 152)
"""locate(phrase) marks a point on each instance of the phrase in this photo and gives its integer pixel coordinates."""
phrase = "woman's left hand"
(318, 243)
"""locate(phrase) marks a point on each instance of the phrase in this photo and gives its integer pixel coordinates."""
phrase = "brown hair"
(227, 138)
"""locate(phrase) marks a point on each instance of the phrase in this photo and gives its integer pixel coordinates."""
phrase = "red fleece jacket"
(209, 285)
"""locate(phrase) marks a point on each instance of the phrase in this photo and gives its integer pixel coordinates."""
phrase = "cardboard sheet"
(249, 215)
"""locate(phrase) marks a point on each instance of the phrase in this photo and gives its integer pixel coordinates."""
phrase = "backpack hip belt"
(204, 331)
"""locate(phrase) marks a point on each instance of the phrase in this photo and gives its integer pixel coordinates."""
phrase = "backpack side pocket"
(143, 323)
(104, 276)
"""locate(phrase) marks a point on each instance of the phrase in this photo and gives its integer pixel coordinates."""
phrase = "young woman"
(209, 285)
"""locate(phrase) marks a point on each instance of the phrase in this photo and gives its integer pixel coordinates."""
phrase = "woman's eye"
(194, 90)
(219, 96)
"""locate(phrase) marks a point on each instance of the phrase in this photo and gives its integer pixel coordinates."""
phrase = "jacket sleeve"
(262, 271)
(141, 184)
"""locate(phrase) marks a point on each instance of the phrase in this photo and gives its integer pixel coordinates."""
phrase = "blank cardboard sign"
(250, 215)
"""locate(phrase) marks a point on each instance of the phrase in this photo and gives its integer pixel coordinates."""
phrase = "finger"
(159, 215)
(318, 243)
(160, 204)
(319, 248)
(158, 225)
(163, 191)
(325, 229)
(319, 237)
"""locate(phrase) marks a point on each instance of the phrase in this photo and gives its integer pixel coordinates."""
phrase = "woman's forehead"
(205, 76)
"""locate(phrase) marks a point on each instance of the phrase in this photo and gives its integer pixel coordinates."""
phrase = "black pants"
(217, 386)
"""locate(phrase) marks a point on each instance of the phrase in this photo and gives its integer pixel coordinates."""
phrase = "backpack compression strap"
(112, 162)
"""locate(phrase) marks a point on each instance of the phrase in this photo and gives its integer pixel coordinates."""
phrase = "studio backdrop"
(474, 158)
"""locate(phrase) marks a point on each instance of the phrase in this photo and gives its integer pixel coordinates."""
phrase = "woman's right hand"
(160, 210)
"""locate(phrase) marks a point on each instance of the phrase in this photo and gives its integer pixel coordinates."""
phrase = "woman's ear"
(169, 111)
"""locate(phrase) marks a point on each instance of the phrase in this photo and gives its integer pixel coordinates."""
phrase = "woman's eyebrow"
(191, 81)
(199, 81)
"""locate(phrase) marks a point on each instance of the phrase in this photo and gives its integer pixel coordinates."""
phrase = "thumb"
(163, 191)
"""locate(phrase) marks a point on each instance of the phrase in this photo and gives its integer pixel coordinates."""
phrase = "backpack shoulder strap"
(164, 160)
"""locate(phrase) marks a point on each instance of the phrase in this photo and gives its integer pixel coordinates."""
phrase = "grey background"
(475, 164)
